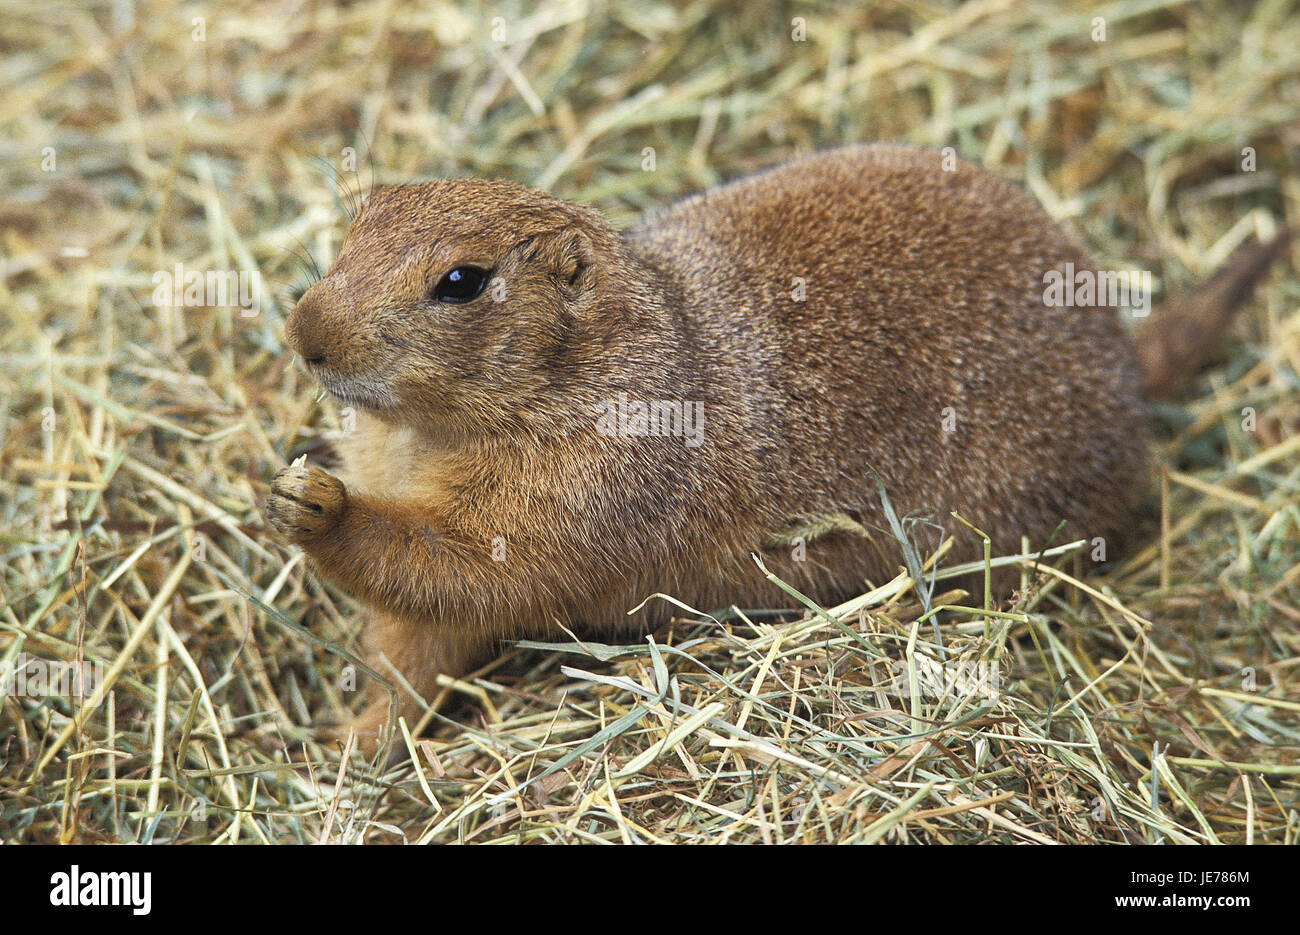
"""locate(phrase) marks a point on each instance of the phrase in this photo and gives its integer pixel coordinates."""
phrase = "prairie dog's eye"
(461, 284)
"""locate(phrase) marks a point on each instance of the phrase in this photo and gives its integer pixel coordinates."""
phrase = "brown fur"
(1172, 345)
(477, 428)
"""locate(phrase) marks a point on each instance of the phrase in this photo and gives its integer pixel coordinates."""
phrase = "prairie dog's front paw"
(305, 501)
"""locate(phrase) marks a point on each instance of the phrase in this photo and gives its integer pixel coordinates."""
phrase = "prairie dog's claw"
(305, 501)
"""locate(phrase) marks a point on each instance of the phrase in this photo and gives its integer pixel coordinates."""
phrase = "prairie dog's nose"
(308, 328)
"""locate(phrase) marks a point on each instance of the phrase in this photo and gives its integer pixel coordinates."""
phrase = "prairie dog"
(556, 420)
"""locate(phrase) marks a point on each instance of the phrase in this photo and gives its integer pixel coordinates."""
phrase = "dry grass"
(1155, 701)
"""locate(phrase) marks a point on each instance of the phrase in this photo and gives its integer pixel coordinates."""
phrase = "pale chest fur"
(392, 462)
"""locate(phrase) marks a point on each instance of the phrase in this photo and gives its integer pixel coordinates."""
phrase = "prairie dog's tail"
(1178, 338)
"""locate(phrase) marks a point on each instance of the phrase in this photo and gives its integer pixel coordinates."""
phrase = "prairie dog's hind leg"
(420, 651)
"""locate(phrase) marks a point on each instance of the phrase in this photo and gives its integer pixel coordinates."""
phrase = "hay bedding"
(1155, 701)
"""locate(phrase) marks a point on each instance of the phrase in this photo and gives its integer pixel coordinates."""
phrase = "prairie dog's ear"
(569, 257)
